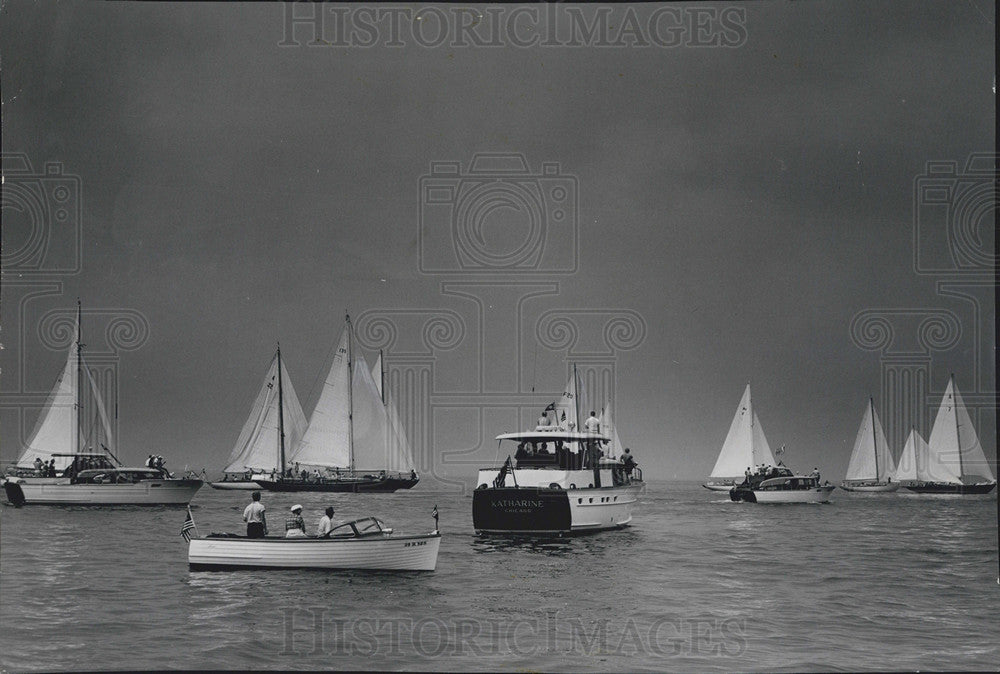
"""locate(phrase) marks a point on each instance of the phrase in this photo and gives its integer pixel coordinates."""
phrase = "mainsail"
(955, 451)
(350, 427)
(614, 448)
(745, 445)
(871, 458)
(259, 445)
(58, 429)
(399, 455)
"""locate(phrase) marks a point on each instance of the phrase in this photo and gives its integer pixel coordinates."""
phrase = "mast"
(350, 394)
(79, 371)
(576, 398)
(871, 405)
(381, 375)
(281, 414)
(958, 435)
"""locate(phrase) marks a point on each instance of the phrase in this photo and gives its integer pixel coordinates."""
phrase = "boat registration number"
(413, 544)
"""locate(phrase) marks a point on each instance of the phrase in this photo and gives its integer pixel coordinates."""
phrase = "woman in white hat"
(295, 526)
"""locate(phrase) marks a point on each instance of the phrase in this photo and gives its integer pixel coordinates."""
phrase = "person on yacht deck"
(592, 424)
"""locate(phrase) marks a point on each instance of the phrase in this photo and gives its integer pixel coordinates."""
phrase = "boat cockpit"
(366, 526)
(118, 475)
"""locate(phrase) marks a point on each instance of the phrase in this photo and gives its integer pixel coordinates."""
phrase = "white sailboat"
(399, 454)
(912, 466)
(80, 467)
(955, 461)
(276, 422)
(871, 468)
(745, 448)
(350, 434)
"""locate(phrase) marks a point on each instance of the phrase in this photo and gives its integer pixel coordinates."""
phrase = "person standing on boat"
(543, 421)
(325, 524)
(629, 462)
(295, 526)
(38, 466)
(592, 424)
(254, 516)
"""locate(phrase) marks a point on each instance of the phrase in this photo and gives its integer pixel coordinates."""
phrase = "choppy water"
(896, 581)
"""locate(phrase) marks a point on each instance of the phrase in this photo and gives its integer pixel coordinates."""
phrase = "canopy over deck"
(551, 436)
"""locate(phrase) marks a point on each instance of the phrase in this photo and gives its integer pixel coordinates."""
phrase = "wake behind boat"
(365, 543)
(59, 464)
(745, 446)
(871, 467)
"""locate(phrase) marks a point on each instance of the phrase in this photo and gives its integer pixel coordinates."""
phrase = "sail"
(101, 427)
(258, 447)
(377, 440)
(945, 457)
(870, 459)
(614, 448)
(326, 441)
(761, 451)
(399, 454)
(974, 463)
(57, 428)
(566, 408)
(915, 449)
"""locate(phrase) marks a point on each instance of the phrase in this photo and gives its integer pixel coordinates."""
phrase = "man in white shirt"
(592, 424)
(325, 524)
(253, 515)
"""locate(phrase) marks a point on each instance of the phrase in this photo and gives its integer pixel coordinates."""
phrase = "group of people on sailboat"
(155, 461)
(45, 469)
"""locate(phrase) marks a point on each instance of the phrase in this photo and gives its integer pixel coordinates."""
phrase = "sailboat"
(276, 422)
(64, 464)
(745, 448)
(955, 461)
(913, 462)
(871, 468)
(351, 440)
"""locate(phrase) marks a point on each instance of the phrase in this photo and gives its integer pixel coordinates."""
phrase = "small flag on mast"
(188, 526)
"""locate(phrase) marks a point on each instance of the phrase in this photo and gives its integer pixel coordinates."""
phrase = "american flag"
(188, 526)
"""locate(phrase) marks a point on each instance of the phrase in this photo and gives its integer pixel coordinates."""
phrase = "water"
(869, 582)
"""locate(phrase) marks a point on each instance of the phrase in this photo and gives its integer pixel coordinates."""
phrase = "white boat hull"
(59, 491)
(814, 495)
(386, 553)
(873, 488)
(243, 486)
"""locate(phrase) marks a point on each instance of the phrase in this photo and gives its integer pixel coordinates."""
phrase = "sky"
(717, 206)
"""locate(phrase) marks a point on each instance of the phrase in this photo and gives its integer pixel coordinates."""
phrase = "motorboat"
(365, 543)
(780, 485)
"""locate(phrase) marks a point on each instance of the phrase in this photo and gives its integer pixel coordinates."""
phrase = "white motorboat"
(67, 462)
(550, 490)
(780, 485)
(871, 467)
(744, 449)
(365, 543)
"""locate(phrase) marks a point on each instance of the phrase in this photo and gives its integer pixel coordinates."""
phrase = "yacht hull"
(812, 495)
(58, 491)
(350, 485)
(540, 510)
(870, 488)
(245, 486)
(383, 553)
(946, 488)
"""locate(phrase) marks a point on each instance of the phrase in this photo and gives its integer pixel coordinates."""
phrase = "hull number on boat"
(414, 544)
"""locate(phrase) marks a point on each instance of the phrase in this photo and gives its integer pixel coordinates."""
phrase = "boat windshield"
(366, 526)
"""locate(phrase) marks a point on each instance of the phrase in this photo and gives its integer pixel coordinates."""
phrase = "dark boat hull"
(944, 488)
(385, 485)
(521, 510)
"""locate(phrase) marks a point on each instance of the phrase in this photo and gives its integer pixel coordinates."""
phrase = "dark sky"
(744, 202)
